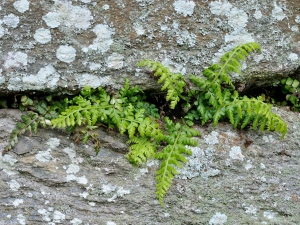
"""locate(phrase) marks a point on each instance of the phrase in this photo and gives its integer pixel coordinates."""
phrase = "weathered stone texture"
(233, 177)
(65, 45)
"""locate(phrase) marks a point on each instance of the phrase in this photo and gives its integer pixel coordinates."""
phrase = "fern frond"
(252, 109)
(29, 123)
(141, 149)
(178, 137)
(173, 83)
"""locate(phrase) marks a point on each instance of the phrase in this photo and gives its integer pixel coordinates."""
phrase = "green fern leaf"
(178, 137)
(141, 149)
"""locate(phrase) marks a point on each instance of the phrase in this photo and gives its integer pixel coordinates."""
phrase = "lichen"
(21, 5)
(42, 35)
(11, 20)
(69, 16)
(66, 53)
(184, 7)
(103, 41)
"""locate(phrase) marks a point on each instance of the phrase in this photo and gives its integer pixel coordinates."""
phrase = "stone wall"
(64, 45)
(233, 178)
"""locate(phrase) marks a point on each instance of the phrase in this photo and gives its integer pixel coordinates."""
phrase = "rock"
(62, 46)
(227, 179)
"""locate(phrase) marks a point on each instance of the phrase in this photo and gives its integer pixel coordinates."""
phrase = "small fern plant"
(127, 111)
(214, 97)
(211, 98)
(291, 89)
(37, 114)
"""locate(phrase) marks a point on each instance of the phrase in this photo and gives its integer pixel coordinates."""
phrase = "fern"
(212, 98)
(38, 115)
(290, 87)
(177, 137)
(141, 149)
(216, 98)
(173, 83)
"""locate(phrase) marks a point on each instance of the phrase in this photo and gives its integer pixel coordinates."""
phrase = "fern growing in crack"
(120, 110)
(177, 137)
(173, 83)
(38, 114)
(216, 98)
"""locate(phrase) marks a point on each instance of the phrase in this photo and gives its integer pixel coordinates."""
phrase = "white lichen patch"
(277, 13)
(139, 30)
(121, 192)
(115, 61)
(53, 142)
(68, 15)
(257, 14)
(22, 219)
(15, 60)
(270, 214)
(76, 221)
(14, 185)
(295, 28)
(42, 35)
(173, 66)
(268, 139)
(108, 188)
(7, 164)
(79, 180)
(95, 66)
(293, 57)
(220, 8)
(184, 7)
(2, 31)
(92, 80)
(46, 214)
(194, 166)
(103, 41)
(92, 204)
(250, 210)
(110, 223)
(11, 20)
(47, 77)
(105, 7)
(44, 156)
(297, 19)
(118, 191)
(184, 37)
(52, 19)
(237, 18)
(58, 216)
(218, 219)
(83, 194)
(236, 153)
(73, 168)
(212, 138)
(17, 202)
(21, 5)
(66, 53)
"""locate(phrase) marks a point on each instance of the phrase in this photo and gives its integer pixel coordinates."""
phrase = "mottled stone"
(64, 45)
(233, 177)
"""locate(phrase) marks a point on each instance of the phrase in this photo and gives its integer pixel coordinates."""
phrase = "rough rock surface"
(64, 45)
(233, 177)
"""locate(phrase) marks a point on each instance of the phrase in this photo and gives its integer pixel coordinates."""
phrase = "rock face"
(59, 45)
(233, 177)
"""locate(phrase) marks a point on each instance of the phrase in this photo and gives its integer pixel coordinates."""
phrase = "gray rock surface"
(233, 177)
(61, 46)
